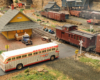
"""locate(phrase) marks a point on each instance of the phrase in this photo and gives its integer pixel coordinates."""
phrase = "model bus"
(17, 59)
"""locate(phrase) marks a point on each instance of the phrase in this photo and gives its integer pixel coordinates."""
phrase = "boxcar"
(75, 13)
(95, 15)
(56, 15)
(70, 34)
(85, 14)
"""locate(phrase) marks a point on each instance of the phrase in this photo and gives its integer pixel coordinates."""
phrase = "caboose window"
(83, 39)
(74, 37)
(80, 38)
(69, 35)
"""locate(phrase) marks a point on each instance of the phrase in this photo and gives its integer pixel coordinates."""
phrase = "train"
(71, 34)
(59, 16)
(87, 14)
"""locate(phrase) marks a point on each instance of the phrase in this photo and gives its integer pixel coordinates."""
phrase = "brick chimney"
(12, 6)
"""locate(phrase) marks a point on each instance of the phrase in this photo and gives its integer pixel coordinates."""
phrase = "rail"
(44, 33)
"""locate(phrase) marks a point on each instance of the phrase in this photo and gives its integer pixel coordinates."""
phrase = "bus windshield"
(1, 57)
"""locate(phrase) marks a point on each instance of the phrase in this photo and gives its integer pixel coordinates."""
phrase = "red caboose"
(70, 34)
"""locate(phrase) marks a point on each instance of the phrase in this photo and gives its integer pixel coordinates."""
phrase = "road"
(66, 50)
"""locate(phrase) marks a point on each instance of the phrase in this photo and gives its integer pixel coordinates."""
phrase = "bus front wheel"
(19, 66)
(52, 58)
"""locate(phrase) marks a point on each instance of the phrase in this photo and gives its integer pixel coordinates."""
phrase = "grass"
(75, 69)
(89, 30)
(54, 21)
(35, 75)
(33, 19)
(53, 26)
(92, 62)
(1, 52)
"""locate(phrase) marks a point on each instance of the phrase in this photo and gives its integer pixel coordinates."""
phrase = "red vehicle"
(70, 34)
(94, 21)
(54, 15)
(19, 4)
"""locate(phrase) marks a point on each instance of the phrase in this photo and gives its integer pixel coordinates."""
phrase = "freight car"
(70, 34)
(87, 14)
(54, 15)
(75, 13)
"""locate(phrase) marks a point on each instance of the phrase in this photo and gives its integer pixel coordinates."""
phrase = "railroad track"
(44, 33)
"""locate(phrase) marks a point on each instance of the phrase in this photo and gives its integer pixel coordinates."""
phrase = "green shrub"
(16, 1)
(21, 10)
(27, 71)
(1, 52)
(38, 19)
(37, 15)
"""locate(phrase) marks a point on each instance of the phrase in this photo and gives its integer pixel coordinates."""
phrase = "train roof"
(26, 50)
(69, 25)
(87, 35)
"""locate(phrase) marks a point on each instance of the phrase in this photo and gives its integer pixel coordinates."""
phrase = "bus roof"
(26, 50)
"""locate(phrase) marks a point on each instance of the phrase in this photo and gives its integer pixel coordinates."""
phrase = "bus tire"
(52, 58)
(19, 66)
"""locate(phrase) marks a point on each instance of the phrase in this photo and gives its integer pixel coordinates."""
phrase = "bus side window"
(36, 52)
(13, 58)
(57, 48)
(9, 59)
(18, 57)
(24, 56)
(39, 52)
(30, 54)
(53, 48)
(48, 49)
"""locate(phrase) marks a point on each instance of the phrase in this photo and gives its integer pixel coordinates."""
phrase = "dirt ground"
(75, 69)
(13, 44)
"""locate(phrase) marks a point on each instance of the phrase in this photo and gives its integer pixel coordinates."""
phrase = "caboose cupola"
(69, 27)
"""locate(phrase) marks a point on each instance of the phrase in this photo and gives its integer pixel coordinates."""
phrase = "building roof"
(87, 35)
(20, 26)
(49, 5)
(8, 16)
(27, 50)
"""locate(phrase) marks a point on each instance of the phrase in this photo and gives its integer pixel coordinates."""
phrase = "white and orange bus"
(17, 59)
